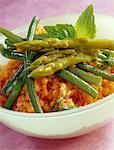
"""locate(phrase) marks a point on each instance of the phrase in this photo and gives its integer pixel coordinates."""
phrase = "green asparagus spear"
(51, 57)
(66, 52)
(79, 43)
(51, 68)
(44, 60)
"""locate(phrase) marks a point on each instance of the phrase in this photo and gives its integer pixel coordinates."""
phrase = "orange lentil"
(30, 108)
(2, 100)
(37, 85)
(52, 103)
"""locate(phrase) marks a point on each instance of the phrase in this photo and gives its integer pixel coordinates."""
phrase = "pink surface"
(14, 13)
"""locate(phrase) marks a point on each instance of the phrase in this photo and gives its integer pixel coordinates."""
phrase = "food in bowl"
(56, 68)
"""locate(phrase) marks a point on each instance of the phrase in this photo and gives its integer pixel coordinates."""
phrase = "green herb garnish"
(85, 25)
(60, 31)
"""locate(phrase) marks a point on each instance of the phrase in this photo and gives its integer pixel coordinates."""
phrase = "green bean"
(27, 61)
(74, 79)
(10, 83)
(8, 43)
(108, 62)
(10, 54)
(102, 56)
(11, 36)
(31, 88)
(15, 92)
(108, 52)
(32, 27)
(96, 71)
(51, 68)
(88, 77)
(106, 58)
(33, 95)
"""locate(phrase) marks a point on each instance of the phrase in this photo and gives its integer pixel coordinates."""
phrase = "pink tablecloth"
(14, 13)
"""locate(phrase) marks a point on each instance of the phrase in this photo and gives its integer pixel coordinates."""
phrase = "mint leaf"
(85, 25)
(60, 31)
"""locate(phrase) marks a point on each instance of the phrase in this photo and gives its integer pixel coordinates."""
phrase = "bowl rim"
(78, 110)
(75, 111)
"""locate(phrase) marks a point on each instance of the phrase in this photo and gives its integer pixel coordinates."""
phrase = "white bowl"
(69, 123)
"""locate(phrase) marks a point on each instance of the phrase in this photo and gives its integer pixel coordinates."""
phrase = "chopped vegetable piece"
(62, 95)
(63, 107)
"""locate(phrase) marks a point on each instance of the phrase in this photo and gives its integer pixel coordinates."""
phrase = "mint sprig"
(60, 31)
(85, 25)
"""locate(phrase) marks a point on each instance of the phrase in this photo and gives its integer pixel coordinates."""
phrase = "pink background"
(14, 13)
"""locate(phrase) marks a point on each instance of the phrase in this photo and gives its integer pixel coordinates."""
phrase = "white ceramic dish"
(70, 123)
